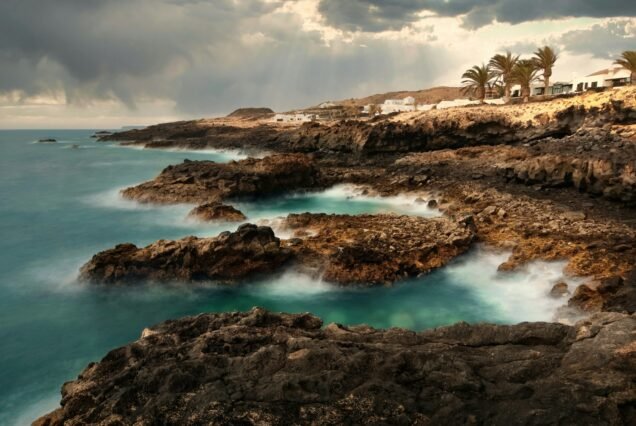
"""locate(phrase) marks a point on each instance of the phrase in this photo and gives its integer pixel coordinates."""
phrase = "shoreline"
(547, 181)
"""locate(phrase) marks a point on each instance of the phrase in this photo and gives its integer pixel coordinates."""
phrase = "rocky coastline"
(342, 249)
(260, 367)
(552, 180)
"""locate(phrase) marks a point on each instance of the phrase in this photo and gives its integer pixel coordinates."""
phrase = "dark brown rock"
(228, 258)
(376, 249)
(278, 369)
(559, 290)
(217, 212)
(207, 181)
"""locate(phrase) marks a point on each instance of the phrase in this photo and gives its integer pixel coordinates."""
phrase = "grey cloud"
(380, 15)
(194, 53)
(604, 41)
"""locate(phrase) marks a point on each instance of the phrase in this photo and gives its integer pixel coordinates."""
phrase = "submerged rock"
(217, 212)
(277, 369)
(228, 258)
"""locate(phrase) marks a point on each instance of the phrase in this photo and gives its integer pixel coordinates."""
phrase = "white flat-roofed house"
(615, 76)
(294, 117)
(398, 105)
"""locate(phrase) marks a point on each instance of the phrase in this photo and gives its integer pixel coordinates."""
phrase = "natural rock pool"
(60, 205)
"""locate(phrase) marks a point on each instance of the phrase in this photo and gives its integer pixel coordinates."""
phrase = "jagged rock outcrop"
(216, 212)
(277, 369)
(594, 161)
(364, 249)
(610, 294)
(228, 258)
(207, 181)
(376, 249)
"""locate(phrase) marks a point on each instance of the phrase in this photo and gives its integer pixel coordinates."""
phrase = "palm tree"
(544, 59)
(477, 80)
(628, 61)
(503, 65)
(524, 74)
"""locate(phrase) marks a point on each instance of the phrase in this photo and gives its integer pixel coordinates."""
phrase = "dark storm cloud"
(380, 15)
(206, 56)
(111, 48)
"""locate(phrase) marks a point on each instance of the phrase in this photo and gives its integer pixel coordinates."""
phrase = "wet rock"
(432, 204)
(217, 212)
(207, 181)
(376, 249)
(47, 140)
(228, 258)
(559, 290)
(260, 367)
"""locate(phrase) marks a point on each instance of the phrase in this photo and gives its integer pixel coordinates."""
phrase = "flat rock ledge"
(364, 249)
(206, 181)
(228, 258)
(376, 249)
(262, 368)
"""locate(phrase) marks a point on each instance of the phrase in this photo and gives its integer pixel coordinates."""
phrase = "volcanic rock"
(278, 369)
(377, 249)
(217, 212)
(228, 258)
(207, 181)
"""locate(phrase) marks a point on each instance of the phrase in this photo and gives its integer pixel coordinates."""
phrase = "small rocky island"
(551, 180)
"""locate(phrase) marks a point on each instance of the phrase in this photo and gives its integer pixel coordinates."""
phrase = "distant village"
(615, 76)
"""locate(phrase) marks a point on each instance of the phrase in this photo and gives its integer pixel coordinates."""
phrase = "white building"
(398, 105)
(328, 104)
(611, 77)
(295, 117)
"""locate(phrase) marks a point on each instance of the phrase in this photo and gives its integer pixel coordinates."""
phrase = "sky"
(112, 63)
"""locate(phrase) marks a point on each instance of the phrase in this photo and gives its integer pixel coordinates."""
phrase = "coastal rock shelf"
(230, 257)
(423, 131)
(207, 181)
(376, 249)
(364, 249)
(264, 368)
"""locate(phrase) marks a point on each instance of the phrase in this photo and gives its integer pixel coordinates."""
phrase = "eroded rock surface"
(364, 249)
(207, 181)
(228, 258)
(264, 368)
(376, 249)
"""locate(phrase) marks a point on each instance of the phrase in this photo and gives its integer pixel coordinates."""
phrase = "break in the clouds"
(138, 61)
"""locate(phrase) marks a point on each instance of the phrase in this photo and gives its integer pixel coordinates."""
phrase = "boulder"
(214, 211)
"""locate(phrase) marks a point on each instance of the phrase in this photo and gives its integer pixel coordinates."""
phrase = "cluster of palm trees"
(507, 69)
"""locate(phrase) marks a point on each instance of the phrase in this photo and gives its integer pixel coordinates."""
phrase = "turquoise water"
(59, 206)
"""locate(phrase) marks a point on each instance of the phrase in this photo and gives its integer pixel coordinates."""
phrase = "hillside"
(425, 96)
